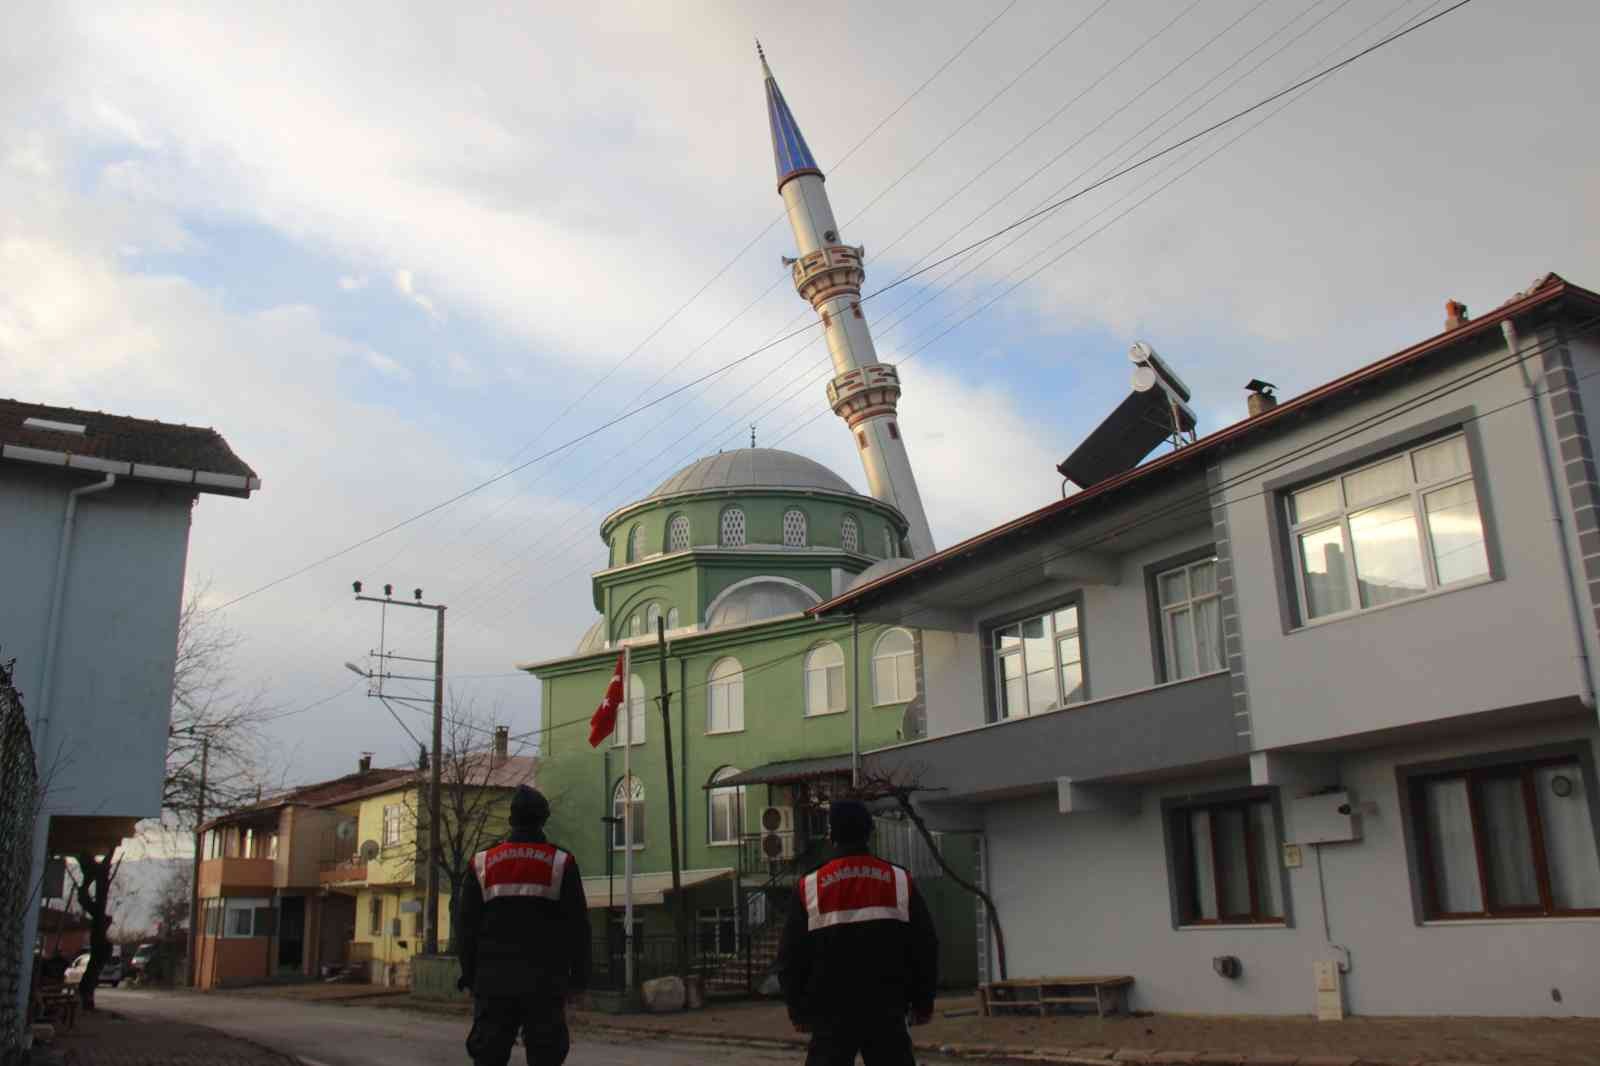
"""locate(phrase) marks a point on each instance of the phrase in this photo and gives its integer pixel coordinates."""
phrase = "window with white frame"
(850, 534)
(794, 528)
(725, 697)
(678, 533)
(1191, 619)
(717, 931)
(1226, 857)
(825, 679)
(634, 544)
(1507, 840)
(673, 620)
(391, 824)
(732, 528)
(1038, 663)
(627, 800)
(652, 615)
(725, 818)
(894, 673)
(1387, 531)
(634, 725)
(247, 917)
(636, 625)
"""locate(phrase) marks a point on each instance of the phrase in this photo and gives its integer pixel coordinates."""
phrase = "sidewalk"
(102, 1038)
(1177, 1039)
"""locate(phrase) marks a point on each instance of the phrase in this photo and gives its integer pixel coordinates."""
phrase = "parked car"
(110, 973)
(153, 961)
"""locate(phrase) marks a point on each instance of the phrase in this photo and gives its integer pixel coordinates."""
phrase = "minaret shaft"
(828, 274)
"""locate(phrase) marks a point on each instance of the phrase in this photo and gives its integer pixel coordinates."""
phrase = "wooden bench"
(55, 1003)
(1107, 994)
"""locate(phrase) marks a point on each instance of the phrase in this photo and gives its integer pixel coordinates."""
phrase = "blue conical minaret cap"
(790, 153)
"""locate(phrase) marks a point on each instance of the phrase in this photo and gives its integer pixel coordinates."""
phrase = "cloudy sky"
(391, 251)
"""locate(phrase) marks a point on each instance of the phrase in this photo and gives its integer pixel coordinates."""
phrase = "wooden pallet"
(1107, 994)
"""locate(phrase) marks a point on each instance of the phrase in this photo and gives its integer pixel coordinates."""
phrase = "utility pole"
(672, 801)
(194, 872)
(430, 916)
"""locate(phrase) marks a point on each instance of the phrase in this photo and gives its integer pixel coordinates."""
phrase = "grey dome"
(764, 468)
(762, 598)
(593, 639)
(878, 569)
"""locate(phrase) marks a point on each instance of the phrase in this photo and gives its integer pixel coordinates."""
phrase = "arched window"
(894, 674)
(733, 528)
(633, 543)
(725, 697)
(889, 546)
(825, 679)
(725, 819)
(678, 533)
(635, 720)
(627, 797)
(850, 534)
(794, 528)
(672, 618)
(636, 625)
(652, 614)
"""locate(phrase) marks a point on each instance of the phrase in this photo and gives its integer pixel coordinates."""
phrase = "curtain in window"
(1264, 835)
(1568, 836)
(1205, 871)
(1449, 828)
(1508, 843)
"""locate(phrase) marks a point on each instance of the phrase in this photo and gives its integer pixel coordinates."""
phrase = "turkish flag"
(605, 715)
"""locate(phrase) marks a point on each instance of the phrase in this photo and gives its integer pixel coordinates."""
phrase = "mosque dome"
(758, 599)
(878, 569)
(753, 468)
(593, 639)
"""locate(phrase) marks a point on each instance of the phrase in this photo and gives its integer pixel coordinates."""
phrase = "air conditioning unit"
(777, 820)
(777, 847)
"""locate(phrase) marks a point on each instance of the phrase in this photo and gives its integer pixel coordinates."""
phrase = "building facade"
(1300, 716)
(94, 516)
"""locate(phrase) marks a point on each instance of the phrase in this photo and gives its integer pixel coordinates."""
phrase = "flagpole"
(627, 815)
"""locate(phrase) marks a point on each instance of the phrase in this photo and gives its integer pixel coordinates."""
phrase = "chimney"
(502, 741)
(1261, 400)
(365, 765)
(1455, 315)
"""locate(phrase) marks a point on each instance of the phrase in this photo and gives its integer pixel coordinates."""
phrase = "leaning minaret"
(828, 274)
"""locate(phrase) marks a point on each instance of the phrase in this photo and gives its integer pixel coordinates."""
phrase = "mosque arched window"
(627, 797)
(672, 618)
(733, 528)
(725, 818)
(850, 534)
(725, 697)
(825, 679)
(889, 547)
(794, 528)
(678, 533)
(633, 544)
(652, 614)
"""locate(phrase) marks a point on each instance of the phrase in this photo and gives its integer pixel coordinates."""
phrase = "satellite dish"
(369, 850)
(346, 832)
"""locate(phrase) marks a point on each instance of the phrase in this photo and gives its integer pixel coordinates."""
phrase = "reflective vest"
(514, 869)
(856, 888)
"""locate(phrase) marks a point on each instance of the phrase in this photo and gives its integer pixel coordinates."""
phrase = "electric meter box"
(1328, 818)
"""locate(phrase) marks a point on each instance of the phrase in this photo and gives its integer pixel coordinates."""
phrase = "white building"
(1318, 687)
(94, 520)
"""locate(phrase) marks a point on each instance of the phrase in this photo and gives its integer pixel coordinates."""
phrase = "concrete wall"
(1500, 643)
(1089, 893)
(106, 745)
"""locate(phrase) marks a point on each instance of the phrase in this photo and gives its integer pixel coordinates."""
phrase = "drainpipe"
(58, 591)
(1547, 452)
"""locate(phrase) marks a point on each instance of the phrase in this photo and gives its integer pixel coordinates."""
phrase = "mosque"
(729, 553)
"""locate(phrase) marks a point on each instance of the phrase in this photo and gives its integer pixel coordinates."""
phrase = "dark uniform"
(859, 952)
(522, 927)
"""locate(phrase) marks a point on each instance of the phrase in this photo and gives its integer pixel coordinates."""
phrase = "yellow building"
(385, 871)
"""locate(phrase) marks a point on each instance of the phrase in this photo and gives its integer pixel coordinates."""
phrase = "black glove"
(463, 983)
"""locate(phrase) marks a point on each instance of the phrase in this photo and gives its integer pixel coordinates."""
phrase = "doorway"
(291, 933)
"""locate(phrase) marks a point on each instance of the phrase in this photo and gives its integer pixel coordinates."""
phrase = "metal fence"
(18, 804)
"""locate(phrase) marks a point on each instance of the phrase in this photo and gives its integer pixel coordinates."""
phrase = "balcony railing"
(343, 872)
(217, 874)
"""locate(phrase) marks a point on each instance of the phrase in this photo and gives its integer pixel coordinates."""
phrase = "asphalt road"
(328, 1035)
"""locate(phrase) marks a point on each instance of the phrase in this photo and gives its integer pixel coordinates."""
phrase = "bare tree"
(480, 767)
(902, 785)
(172, 901)
(96, 873)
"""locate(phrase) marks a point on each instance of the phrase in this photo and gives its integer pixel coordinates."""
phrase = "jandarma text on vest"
(833, 877)
(537, 854)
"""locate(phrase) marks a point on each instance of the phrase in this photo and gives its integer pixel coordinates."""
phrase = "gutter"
(202, 480)
(58, 591)
(1543, 424)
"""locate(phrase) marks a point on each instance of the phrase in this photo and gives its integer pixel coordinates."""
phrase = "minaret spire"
(828, 275)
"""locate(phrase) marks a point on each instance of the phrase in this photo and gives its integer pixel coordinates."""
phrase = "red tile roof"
(320, 793)
(1546, 291)
(121, 439)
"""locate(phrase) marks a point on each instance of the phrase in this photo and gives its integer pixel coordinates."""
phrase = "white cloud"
(386, 366)
(352, 283)
(405, 283)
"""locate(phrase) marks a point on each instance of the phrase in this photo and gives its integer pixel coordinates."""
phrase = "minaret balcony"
(865, 392)
(829, 271)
